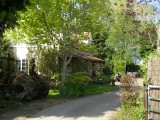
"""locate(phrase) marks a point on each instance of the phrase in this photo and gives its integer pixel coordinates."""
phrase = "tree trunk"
(66, 61)
(63, 72)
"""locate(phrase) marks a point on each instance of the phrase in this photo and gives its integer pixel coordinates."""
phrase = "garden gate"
(153, 90)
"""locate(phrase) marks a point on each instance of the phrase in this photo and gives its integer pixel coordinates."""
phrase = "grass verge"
(90, 90)
(129, 112)
(53, 94)
(97, 89)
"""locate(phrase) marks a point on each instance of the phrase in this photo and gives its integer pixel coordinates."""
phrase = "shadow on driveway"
(95, 107)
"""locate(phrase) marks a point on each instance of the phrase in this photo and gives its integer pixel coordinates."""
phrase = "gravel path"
(97, 107)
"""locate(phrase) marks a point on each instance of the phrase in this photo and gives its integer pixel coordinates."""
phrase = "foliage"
(55, 81)
(147, 42)
(129, 92)
(104, 51)
(132, 67)
(119, 66)
(62, 24)
(129, 33)
(132, 107)
(7, 67)
(90, 90)
(107, 78)
(46, 59)
(8, 19)
(75, 84)
(8, 13)
(121, 36)
(97, 89)
(53, 93)
(129, 112)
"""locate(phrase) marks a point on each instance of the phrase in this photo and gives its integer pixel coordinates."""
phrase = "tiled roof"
(89, 56)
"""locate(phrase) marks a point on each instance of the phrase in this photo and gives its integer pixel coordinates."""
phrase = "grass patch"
(129, 112)
(90, 90)
(53, 94)
(97, 89)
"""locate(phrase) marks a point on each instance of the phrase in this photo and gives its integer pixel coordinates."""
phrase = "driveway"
(96, 107)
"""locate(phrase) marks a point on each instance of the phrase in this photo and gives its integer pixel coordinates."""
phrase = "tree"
(148, 39)
(8, 19)
(62, 24)
(8, 13)
(130, 27)
(104, 51)
(122, 34)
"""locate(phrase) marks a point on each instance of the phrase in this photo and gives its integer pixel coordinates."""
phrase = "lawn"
(53, 94)
(97, 89)
(90, 90)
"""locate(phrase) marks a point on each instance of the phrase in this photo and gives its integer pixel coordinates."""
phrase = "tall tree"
(104, 51)
(130, 27)
(147, 42)
(122, 33)
(62, 24)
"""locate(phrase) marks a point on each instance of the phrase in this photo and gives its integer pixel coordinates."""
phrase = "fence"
(153, 102)
(153, 90)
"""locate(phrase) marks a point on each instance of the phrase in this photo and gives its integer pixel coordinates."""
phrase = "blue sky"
(156, 4)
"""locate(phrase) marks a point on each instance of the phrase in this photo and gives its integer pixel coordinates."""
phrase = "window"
(22, 65)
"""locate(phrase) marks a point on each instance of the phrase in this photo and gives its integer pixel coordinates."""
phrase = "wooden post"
(145, 101)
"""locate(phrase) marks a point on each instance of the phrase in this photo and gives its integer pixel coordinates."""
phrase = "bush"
(75, 84)
(132, 67)
(132, 106)
(119, 66)
(129, 92)
(129, 112)
(55, 81)
(107, 79)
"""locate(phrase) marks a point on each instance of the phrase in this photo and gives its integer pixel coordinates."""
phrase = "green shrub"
(132, 67)
(55, 81)
(119, 66)
(107, 79)
(75, 84)
(129, 92)
(129, 112)
(132, 107)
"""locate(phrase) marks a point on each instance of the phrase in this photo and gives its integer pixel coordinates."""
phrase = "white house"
(21, 51)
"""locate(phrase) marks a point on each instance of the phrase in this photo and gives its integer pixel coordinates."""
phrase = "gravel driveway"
(96, 107)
